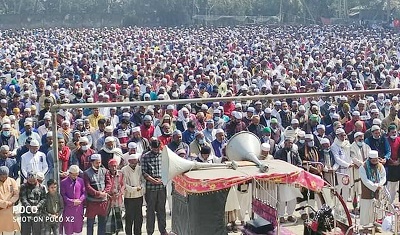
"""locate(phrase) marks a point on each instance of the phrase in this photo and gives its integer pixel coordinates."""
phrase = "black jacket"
(281, 154)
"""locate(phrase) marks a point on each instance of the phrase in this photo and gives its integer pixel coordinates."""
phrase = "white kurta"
(358, 156)
(33, 163)
(366, 205)
(343, 160)
(232, 201)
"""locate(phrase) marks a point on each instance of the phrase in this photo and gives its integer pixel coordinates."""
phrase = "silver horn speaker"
(245, 146)
(173, 165)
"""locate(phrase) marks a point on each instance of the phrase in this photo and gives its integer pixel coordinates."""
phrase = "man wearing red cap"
(114, 220)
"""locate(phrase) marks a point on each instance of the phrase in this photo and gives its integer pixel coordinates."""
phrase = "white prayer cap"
(133, 157)
(218, 131)
(108, 129)
(83, 139)
(374, 110)
(126, 114)
(136, 129)
(49, 134)
(301, 134)
(339, 131)
(309, 136)
(357, 134)
(373, 154)
(325, 141)
(6, 126)
(294, 121)
(356, 113)
(34, 143)
(335, 116)
(377, 121)
(238, 105)
(39, 175)
(374, 128)
(170, 107)
(217, 111)
(238, 115)
(320, 126)
(132, 145)
(74, 169)
(265, 147)
(7, 120)
(109, 139)
(5, 148)
(147, 118)
(268, 110)
(302, 108)
(95, 157)
(250, 109)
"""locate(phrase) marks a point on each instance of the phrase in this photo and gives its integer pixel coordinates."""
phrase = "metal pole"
(56, 107)
(55, 145)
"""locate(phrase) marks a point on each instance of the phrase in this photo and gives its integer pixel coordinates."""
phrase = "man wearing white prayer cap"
(132, 148)
(142, 143)
(265, 152)
(9, 195)
(287, 194)
(33, 160)
(97, 182)
(133, 195)
(373, 178)
(358, 153)
(341, 152)
(81, 155)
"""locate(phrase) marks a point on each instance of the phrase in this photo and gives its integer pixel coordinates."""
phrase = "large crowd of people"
(110, 158)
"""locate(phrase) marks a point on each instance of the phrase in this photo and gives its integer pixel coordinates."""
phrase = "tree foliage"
(175, 12)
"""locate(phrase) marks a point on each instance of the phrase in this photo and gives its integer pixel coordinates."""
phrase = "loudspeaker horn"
(245, 146)
(173, 165)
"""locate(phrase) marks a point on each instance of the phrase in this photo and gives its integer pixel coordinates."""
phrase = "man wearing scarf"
(142, 144)
(341, 152)
(373, 178)
(109, 151)
(287, 194)
(114, 220)
(359, 153)
(309, 153)
(97, 186)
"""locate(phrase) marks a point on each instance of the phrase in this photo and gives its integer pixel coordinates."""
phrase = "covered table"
(199, 196)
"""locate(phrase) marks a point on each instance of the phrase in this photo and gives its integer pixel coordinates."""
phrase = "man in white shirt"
(133, 196)
(359, 153)
(33, 160)
(341, 153)
(28, 133)
(46, 127)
